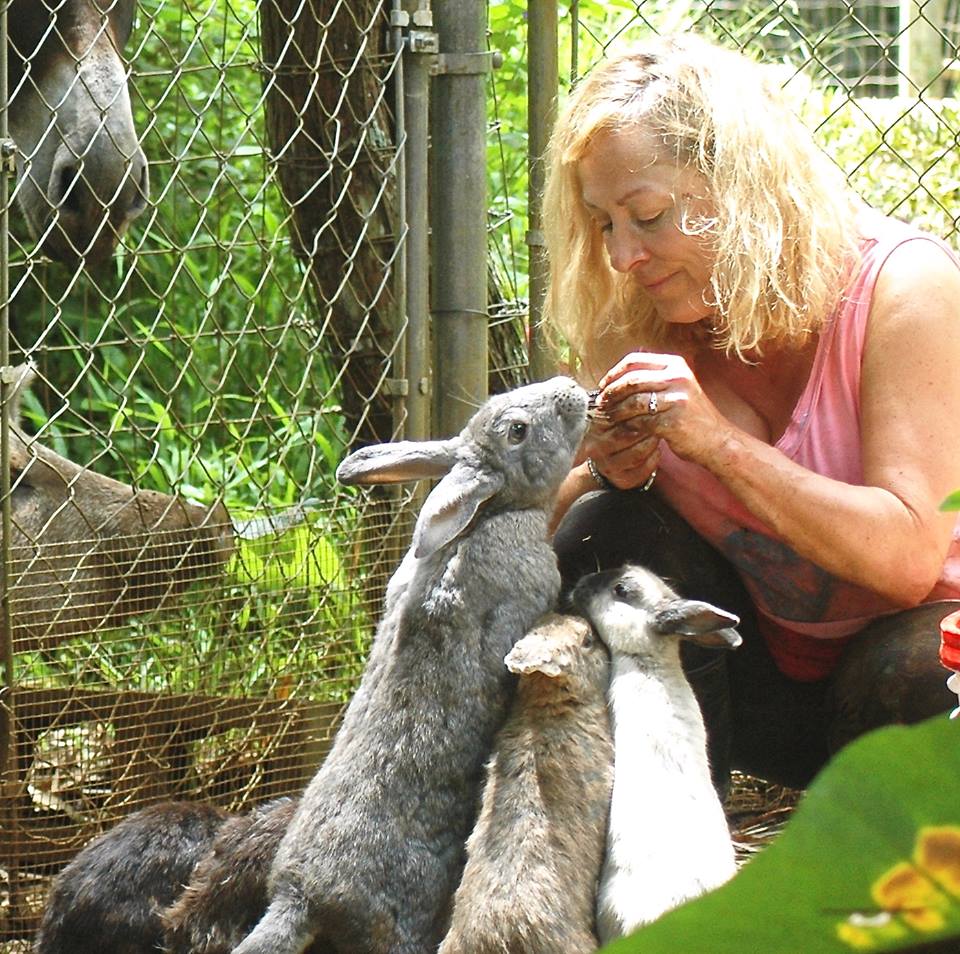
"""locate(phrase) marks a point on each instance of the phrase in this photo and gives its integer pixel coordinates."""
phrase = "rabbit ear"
(22, 376)
(702, 623)
(451, 506)
(531, 655)
(398, 462)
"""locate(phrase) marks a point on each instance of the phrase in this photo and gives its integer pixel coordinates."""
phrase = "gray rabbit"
(374, 853)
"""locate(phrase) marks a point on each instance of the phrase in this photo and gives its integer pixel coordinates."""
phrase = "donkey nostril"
(141, 191)
(66, 195)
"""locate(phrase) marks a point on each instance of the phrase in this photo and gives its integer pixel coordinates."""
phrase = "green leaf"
(870, 861)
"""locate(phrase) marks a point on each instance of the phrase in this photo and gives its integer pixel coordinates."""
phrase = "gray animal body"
(88, 551)
(81, 174)
(668, 838)
(227, 891)
(109, 898)
(533, 860)
(375, 851)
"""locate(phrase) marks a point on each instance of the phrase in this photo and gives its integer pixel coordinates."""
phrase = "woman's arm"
(577, 483)
(888, 535)
(624, 457)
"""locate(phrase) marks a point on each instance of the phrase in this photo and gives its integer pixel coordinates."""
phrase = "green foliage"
(291, 607)
(870, 861)
(901, 157)
(192, 364)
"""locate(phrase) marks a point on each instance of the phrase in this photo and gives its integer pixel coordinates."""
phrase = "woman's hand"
(627, 457)
(657, 397)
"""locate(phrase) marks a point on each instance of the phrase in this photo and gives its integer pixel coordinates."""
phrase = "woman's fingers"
(632, 467)
(641, 361)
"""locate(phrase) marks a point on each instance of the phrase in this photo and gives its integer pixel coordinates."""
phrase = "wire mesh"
(191, 594)
(876, 81)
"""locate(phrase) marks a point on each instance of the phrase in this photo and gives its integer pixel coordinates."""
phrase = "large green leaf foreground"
(870, 861)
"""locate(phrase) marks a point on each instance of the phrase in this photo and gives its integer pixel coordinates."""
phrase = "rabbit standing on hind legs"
(668, 838)
(534, 858)
(375, 850)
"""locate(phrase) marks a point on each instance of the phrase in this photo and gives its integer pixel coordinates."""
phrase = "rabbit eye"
(588, 641)
(516, 432)
(620, 591)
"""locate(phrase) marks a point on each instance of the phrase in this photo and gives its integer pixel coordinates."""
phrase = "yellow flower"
(938, 853)
(916, 894)
(906, 891)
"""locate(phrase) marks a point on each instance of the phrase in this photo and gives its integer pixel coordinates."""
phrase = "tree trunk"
(331, 136)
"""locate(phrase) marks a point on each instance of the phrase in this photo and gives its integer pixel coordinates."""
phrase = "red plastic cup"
(950, 641)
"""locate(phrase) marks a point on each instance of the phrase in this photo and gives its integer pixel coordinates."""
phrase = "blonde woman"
(779, 397)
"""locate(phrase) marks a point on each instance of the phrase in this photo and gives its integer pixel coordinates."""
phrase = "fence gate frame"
(8, 779)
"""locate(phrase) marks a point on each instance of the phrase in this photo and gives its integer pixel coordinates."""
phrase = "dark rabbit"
(109, 898)
(227, 893)
(375, 851)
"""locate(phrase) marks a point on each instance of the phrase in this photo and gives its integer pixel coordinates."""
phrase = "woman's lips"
(658, 283)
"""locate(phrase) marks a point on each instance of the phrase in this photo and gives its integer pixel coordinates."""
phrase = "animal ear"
(532, 655)
(702, 623)
(398, 462)
(22, 377)
(451, 506)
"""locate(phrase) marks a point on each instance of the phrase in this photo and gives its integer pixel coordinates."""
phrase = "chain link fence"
(188, 595)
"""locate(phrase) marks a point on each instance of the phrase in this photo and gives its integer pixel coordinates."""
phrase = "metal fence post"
(921, 58)
(458, 212)
(419, 44)
(542, 90)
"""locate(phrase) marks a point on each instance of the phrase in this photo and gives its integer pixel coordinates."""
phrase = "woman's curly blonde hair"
(785, 232)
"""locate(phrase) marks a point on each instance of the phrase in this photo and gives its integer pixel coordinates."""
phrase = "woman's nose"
(626, 250)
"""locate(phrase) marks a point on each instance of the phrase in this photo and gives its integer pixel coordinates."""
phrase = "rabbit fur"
(533, 860)
(227, 891)
(668, 838)
(108, 899)
(375, 850)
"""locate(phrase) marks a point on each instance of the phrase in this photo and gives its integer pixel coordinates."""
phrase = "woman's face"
(636, 199)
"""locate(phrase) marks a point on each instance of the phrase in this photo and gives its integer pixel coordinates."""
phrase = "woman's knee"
(890, 674)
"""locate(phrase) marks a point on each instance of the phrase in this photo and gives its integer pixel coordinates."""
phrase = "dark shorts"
(758, 720)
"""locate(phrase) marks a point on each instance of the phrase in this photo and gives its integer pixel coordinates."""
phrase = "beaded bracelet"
(604, 484)
(598, 478)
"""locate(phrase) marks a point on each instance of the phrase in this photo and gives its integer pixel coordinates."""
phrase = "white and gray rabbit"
(668, 837)
(374, 853)
(533, 860)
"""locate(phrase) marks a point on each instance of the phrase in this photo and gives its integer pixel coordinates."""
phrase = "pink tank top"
(805, 614)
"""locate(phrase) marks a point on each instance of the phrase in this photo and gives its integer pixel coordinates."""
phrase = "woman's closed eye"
(645, 223)
(636, 222)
